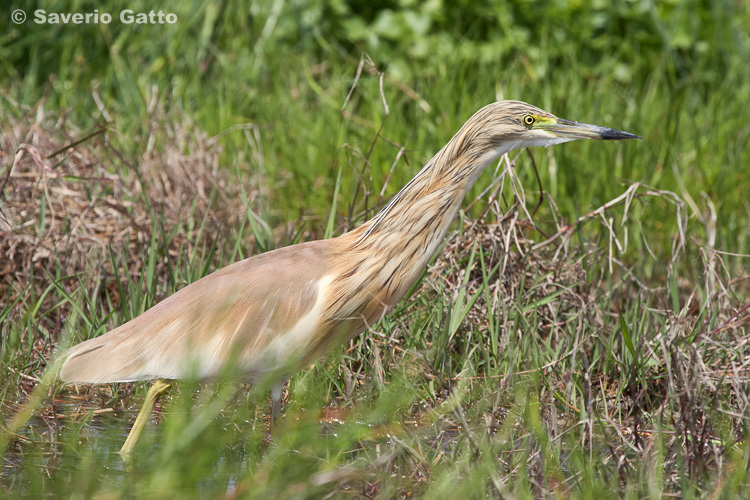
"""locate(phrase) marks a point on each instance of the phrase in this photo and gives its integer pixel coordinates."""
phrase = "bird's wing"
(256, 313)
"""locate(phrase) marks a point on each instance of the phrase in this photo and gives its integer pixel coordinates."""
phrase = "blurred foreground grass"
(611, 365)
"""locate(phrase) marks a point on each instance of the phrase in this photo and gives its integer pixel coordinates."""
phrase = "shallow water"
(43, 447)
(39, 443)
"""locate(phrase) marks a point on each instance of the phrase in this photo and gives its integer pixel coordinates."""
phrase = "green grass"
(522, 376)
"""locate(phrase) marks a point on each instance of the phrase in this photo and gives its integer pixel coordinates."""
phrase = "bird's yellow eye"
(529, 120)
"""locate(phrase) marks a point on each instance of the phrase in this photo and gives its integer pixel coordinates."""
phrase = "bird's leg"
(276, 391)
(140, 421)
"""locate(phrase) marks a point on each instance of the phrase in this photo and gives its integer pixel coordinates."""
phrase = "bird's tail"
(105, 359)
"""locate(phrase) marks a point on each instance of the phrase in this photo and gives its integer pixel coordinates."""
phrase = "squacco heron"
(273, 313)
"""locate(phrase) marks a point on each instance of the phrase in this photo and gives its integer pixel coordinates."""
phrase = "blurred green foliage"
(547, 34)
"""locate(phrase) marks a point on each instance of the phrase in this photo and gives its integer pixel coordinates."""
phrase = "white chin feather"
(546, 141)
(496, 153)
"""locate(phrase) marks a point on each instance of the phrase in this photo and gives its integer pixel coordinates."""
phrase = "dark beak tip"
(611, 134)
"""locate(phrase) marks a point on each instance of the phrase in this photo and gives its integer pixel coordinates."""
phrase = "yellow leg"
(140, 421)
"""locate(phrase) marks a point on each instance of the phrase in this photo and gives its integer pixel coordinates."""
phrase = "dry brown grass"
(70, 197)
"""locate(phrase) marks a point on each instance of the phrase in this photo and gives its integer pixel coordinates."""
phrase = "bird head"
(506, 125)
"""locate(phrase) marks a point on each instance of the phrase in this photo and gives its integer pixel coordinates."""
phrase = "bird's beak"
(575, 130)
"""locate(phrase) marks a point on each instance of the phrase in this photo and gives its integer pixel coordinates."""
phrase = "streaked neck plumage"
(408, 230)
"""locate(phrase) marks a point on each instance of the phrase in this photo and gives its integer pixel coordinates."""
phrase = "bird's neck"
(405, 234)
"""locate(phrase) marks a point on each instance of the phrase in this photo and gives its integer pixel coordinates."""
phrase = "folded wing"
(257, 313)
